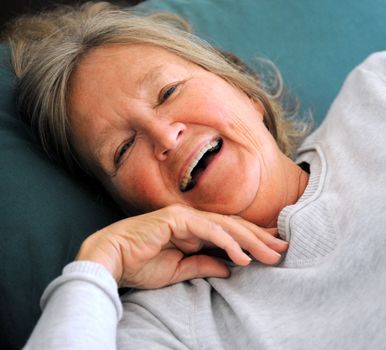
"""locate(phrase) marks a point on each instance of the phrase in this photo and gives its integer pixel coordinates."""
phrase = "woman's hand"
(150, 250)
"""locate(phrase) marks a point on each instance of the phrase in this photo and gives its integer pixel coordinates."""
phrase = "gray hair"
(47, 47)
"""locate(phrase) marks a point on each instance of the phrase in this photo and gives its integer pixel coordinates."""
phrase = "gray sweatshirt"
(328, 293)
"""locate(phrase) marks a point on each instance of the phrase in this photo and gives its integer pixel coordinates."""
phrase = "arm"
(81, 310)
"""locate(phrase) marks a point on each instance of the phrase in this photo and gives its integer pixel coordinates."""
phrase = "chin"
(229, 200)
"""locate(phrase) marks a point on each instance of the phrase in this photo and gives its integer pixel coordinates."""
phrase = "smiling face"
(159, 130)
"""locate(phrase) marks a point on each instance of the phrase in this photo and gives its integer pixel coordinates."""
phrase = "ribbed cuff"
(89, 272)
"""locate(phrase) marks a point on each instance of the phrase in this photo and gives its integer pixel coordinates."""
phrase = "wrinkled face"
(160, 130)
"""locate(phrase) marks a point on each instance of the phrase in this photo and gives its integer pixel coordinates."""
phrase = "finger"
(208, 230)
(223, 232)
(191, 228)
(267, 235)
(199, 266)
(255, 240)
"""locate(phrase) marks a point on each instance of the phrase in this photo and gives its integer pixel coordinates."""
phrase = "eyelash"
(122, 150)
(163, 96)
(166, 93)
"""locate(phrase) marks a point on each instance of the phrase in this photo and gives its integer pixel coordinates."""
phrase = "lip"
(192, 155)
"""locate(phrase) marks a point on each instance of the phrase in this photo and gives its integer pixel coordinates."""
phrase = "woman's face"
(160, 130)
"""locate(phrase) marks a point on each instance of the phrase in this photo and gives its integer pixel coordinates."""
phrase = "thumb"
(199, 266)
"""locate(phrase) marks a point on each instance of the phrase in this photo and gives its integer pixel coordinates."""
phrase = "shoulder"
(371, 72)
(376, 64)
(363, 92)
(358, 111)
(367, 81)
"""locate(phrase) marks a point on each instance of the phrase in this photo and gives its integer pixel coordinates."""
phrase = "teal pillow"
(45, 214)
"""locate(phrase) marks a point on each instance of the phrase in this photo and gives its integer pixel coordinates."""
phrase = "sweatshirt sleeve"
(81, 310)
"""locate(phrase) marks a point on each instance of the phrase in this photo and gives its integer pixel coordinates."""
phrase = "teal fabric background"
(45, 214)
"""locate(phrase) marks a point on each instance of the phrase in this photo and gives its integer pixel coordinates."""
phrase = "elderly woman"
(198, 148)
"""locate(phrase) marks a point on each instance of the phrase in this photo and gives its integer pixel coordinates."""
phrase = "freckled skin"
(250, 176)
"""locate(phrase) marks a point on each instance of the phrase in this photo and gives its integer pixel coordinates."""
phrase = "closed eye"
(122, 150)
(166, 93)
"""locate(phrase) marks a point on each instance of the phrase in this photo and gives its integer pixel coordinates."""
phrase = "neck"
(302, 181)
(291, 181)
(297, 180)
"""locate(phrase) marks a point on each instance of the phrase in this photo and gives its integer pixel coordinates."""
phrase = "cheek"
(207, 111)
(234, 112)
(205, 103)
(138, 188)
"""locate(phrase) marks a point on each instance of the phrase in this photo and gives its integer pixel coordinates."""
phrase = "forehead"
(135, 59)
(108, 71)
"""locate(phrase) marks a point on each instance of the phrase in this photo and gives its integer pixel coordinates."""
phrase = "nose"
(166, 137)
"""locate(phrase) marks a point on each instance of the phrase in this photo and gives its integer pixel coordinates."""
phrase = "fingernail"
(280, 240)
(248, 258)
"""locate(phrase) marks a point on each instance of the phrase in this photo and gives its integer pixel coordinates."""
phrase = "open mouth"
(199, 164)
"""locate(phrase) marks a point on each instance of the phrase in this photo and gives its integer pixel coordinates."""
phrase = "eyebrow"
(150, 76)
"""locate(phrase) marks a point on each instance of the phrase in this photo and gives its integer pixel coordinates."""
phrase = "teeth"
(187, 176)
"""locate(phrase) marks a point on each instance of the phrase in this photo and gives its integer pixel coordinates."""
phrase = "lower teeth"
(190, 185)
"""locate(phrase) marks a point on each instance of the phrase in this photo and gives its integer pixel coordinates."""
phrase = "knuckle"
(176, 208)
(177, 216)
(214, 226)
(228, 219)
(236, 217)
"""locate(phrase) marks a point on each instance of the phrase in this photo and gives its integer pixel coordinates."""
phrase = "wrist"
(102, 253)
